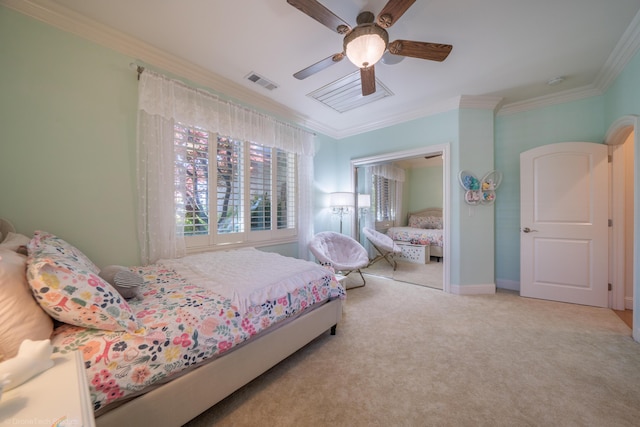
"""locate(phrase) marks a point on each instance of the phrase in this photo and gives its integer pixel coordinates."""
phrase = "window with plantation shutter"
(260, 186)
(195, 167)
(255, 189)
(384, 198)
(285, 190)
(229, 186)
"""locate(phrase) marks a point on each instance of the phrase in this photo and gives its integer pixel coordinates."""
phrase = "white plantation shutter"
(229, 186)
(285, 190)
(260, 186)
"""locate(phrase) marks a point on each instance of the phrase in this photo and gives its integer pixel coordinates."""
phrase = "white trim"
(548, 100)
(479, 289)
(445, 149)
(616, 243)
(616, 134)
(62, 18)
(624, 50)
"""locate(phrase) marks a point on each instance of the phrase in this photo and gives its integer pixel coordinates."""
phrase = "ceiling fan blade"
(319, 66)
(321, 14)
(422, 50)
(368, 80)
(392, 11)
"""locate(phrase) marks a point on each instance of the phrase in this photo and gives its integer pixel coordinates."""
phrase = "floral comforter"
(420, 236)
(184, 325)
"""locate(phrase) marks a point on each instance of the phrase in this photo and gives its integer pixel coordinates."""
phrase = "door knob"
(528, 230)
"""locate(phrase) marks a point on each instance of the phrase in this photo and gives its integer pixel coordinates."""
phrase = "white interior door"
(563, 223)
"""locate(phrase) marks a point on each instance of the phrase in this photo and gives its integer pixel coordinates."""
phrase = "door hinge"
(610, 287)
(609, 158)
(610, 222)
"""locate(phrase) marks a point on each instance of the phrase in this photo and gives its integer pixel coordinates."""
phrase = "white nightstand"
(57, 396)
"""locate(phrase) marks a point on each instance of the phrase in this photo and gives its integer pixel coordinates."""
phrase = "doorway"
(622, 139)
(441, 149)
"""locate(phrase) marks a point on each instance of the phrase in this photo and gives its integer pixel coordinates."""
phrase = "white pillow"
(20, 315)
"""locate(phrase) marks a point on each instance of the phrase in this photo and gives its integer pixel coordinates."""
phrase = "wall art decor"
(480, 191)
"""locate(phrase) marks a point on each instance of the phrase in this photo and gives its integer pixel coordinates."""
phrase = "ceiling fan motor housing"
(366, 44)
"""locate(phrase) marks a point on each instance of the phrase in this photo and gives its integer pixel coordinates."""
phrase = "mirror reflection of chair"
(339, 251)
(384, 245)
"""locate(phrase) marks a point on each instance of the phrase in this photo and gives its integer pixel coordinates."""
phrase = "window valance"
(174, 100)
(389, 172)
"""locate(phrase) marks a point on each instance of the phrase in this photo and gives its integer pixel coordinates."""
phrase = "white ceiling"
(503, 50)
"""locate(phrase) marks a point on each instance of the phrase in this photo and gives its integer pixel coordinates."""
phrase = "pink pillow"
(21, 317)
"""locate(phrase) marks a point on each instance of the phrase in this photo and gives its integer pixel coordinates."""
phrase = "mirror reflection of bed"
(421, 243)
(410, 212)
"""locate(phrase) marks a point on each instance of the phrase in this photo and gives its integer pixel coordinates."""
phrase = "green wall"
(67, 152)
(424, 188)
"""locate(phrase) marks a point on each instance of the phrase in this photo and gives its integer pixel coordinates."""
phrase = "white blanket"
(246, 276)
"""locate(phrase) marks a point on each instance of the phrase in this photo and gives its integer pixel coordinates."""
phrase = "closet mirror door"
(390, 189)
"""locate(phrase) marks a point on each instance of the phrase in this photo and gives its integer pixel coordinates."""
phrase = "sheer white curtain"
(368, 219)
(162, 102)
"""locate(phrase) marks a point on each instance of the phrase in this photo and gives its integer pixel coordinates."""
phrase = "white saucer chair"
(339, 251)
(385, 246)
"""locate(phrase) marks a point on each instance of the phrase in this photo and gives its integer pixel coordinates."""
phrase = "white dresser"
(58, 396)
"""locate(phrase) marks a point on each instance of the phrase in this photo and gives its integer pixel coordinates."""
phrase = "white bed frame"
(184, 398)
(436, 251)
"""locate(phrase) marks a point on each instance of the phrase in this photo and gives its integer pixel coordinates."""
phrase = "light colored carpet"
(420, 274)
(407, 355)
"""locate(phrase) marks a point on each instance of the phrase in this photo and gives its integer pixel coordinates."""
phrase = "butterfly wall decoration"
(480, 191)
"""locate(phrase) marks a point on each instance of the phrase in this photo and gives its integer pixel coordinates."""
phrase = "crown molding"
(481, 102)
(67, 20)
(64, 19)
(624, 51)
(548, 100)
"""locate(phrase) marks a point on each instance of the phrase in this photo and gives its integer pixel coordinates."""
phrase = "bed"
(424, 227)
(189, 337)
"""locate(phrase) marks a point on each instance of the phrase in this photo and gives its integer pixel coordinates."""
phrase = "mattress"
(192, 313)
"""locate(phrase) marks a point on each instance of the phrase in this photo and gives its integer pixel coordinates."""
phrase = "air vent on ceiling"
(258, 79)
(346, 93)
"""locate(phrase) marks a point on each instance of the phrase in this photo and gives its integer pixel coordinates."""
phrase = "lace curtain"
(161, 103)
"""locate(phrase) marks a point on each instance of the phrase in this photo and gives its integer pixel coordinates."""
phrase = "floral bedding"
(421, 236)
(183, 325)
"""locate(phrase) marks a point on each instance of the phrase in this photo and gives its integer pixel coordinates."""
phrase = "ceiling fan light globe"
(365, 45)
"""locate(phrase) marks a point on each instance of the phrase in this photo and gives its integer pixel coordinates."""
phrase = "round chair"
(339, 251)
(385, 246)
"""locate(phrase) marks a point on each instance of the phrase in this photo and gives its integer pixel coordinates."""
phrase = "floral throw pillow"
(68, 289)
(433, 222)
(44, 243)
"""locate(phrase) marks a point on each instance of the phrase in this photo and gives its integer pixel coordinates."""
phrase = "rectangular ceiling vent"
(346, 93)
(258, 79)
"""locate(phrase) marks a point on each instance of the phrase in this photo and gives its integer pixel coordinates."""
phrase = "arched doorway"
(622, 139)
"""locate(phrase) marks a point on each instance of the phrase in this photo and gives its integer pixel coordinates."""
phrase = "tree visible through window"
(269, 180)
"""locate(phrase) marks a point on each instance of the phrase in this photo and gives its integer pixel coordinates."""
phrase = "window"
(384, 198)
(249, 180)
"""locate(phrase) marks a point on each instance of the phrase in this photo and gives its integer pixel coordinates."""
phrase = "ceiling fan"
(365, 44)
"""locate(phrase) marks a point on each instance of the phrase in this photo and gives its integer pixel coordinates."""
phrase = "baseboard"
(511, 285)
(628, 303)
(486, 289)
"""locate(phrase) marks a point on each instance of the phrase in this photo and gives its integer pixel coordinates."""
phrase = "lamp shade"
(365, 45)
(364, 201)
(341, 200)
